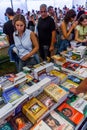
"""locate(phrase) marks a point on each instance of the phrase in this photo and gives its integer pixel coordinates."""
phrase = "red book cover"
(70, 113)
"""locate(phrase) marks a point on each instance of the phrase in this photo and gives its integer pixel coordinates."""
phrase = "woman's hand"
(24, 58)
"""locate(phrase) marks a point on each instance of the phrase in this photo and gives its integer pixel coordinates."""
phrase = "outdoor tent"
(28, 5)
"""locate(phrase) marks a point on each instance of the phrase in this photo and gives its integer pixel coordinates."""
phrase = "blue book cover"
(12, 94)
(6, 126)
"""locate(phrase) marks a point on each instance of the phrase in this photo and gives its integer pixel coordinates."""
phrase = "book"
(6, 126)
(41, 125)
(21, 122)
(24, 87)
(11, 94)
(55, 121)
(58, 59)
(62, 76)
(57, 93)
(82, 72)
(78, 103)
(46, 100)
(70, 113)
(71, 67)
(34, 109)
(69, 84)
(2, 102)
(75, 79)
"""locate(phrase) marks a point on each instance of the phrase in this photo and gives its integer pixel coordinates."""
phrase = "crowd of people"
(34, 36)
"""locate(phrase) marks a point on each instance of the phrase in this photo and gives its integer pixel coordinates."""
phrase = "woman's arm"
(66, 33)
(35, 47)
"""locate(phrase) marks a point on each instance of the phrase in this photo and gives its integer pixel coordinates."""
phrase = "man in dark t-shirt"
(8, 27)
(46, 33)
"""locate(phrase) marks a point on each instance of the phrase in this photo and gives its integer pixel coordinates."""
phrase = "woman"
(81, 29)
(67, 27)
(25, 42)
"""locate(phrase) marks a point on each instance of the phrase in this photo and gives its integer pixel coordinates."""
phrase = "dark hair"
(82, 17)
(9, 11)
(80, 13)
(19, 17)
(50, 7)
(51, 118)
(70, 14)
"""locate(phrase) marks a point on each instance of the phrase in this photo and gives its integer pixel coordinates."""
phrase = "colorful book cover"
(12, 94)
(70, 113)
(78, 103)
(56, 92)
(46, 100)
(75, 79)
(23, 88)
(59, 74)
(6, 126)
(59, 59)
(70, 66)
(57, 122)
(21, 122)
(69, 84)
(34, 109)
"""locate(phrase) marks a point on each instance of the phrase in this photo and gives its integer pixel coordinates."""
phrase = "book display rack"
(40, 99)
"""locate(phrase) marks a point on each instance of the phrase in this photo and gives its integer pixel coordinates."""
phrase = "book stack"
(34, 109)
(57, 93)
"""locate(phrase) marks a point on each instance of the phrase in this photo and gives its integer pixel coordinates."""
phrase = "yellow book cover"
(69, 84)
(59, 59)
(61, 75)
(56, 92)
(34, 109)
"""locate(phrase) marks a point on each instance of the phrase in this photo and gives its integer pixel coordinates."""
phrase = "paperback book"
(69, 84)
(46, 100)
(34, 109)
(12, 94)
(70, 113)
(78, 103)
(75, 79)
(62, 76)
(59, 59)
(71, 67)
(57, 93)
(21, 122)
(55, 121)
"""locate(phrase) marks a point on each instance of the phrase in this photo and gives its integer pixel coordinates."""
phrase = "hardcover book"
(46, 100)
(56, 92)
(21, 122)
(70, 113)
(12, 94)
(34, 109)
(55, 121)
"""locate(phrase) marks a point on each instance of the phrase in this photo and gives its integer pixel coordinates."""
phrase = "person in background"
(8, 27)
(81, 30)
(67, 26)
(82, 88)
(25, 42)
(46, 33)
